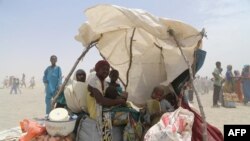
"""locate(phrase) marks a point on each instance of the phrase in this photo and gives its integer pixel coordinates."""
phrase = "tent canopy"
(139, 46)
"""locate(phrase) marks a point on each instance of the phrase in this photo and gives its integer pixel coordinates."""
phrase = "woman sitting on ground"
(97, 126)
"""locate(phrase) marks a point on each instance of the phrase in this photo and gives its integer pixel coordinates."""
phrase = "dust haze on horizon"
(31, 31)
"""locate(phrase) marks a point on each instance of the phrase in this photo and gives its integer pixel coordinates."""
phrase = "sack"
(233, 97)
(76, 96)
(32, 130)
(173, 126)
(120, 115)
(120, 118)
(133, 130)
(229, 104)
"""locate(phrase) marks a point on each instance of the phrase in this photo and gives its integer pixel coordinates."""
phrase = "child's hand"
(122, 102)
(124, 95)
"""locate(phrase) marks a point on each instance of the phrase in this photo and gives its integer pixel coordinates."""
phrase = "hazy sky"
(32, 30)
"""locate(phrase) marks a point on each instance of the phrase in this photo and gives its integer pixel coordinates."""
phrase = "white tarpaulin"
(155, 58)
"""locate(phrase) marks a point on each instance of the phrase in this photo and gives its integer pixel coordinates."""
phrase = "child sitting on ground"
(156, 106)
(159, 95)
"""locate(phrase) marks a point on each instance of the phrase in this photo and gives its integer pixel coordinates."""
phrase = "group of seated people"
(102, 107)
(104, 112)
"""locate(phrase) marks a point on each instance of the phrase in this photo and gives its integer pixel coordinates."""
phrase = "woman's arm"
(100, 99)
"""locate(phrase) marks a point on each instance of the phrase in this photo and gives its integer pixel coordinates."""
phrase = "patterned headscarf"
(100, 64)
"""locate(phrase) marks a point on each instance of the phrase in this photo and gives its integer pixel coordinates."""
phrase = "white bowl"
(59, 114)
(60, 128)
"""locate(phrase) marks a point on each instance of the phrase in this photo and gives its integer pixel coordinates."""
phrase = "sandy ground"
(16, 107)
(219, 117)
(30, 104)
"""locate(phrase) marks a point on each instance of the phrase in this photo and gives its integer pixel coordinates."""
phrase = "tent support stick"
(70, 73)
(130, 57)
(204, 127)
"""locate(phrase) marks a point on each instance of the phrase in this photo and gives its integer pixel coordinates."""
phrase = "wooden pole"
(71, 72)
(204, 127)
(130, 58)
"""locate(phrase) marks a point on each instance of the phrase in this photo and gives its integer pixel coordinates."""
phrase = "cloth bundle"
(173, 126)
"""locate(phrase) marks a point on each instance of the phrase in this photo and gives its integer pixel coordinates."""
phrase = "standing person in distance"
(217, 83)
(52, 79)
(246, 83)
(23, 83)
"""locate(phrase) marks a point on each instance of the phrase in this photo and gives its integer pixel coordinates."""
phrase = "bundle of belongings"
(172, 126)
(230, 99)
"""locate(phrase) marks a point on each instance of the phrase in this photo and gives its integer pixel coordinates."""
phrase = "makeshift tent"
(147, 51)
(139, 46)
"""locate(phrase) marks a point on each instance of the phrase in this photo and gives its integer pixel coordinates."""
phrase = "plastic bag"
(173, 126)
(133, 130)
(31, 129)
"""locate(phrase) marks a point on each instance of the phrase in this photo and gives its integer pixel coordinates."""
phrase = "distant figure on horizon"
(32, 82)
(189, 92)
(6, 82)
(229, 81)
(206, 86)
(52, 80)
(15, 85)
(238, 85)
(246, 83)
(228, 88)
(23, 83)
(11, 78)
(217, 83)
(18, 85)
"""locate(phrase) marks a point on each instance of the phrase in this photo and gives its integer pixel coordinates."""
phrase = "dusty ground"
(30, 104)
(16, 107)
(222, 116)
